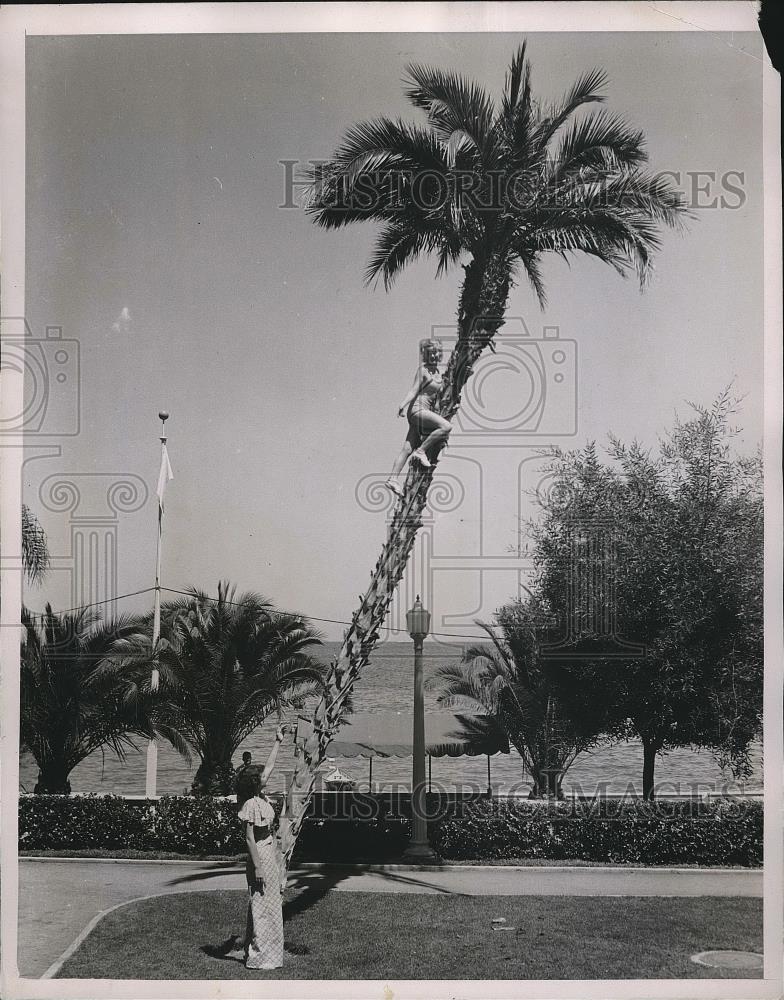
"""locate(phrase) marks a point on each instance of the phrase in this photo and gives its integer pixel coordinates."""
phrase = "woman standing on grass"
(266, 878)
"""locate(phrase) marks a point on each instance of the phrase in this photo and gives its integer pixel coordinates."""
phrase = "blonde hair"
(428, 346)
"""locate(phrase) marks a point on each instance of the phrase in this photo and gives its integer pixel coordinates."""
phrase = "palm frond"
(519, 65)
(600, 141)
(370, 175)
(534, 274)
(585, 90)
(395, 247)
(453, 104)
(35, 550)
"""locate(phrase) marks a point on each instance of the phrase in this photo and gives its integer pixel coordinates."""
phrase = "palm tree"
(495, 187)
(71, 702)
(510, 682)
(225, 665)
(35, 551)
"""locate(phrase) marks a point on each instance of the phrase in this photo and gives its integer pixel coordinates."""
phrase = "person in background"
(246, 763)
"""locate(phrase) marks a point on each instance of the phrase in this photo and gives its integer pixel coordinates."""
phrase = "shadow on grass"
(311, 885)
(214, 871)
(233, 950)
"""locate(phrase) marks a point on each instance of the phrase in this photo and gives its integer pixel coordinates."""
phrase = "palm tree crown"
(72, 701)
(511, 682)
(509, 183)
(225, 665)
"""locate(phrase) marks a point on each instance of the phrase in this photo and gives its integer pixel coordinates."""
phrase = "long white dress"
(264, 927)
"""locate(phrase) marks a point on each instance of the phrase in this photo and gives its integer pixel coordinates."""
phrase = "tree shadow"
(310, 885)
(226, 868)
(314, 884)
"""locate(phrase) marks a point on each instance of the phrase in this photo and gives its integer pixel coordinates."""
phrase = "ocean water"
(386, 685)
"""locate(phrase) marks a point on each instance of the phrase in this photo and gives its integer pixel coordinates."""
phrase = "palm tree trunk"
(649, 750)
(213, 778)
(547, 782)
(53, 779)
(482, 306)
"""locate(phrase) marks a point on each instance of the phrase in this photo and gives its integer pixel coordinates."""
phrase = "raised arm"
(279, 732)
(413, 392)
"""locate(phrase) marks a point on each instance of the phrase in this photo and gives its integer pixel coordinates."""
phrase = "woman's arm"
(273, 755)
(413, 392)
(253, 851)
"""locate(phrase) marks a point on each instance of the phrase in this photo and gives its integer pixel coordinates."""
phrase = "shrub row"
(724, 832)
(177, 823)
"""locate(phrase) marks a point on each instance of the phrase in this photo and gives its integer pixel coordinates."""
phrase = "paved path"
(58, 898)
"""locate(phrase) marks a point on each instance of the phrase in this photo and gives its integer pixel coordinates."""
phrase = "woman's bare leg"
(412, 440)
(402, 458)
(434, 429)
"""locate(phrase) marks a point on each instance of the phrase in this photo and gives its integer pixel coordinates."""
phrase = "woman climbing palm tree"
(426, 429)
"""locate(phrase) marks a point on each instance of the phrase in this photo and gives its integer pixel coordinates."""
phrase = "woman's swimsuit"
(427, 394)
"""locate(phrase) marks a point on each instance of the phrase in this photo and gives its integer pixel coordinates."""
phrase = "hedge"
(723, 832)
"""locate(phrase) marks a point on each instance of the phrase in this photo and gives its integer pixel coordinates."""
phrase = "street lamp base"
(420, 852)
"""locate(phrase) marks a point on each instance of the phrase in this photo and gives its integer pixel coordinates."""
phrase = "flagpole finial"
(164, 415)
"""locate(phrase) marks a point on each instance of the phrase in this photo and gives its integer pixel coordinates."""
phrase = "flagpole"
(152, 745)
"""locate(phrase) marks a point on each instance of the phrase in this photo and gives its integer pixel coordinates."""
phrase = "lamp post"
(418, 622)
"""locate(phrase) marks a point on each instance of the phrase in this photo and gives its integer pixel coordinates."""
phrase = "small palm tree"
(510, 682)
(72, 702)
(225, 665)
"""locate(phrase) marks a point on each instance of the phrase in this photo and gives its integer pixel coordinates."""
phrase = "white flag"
(164, 476)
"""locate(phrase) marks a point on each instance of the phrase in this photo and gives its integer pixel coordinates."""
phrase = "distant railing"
(444, 794)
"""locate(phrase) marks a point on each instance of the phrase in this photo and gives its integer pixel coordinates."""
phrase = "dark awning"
(390, 734)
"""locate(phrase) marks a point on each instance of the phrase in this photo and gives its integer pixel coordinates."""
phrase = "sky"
(156, 239)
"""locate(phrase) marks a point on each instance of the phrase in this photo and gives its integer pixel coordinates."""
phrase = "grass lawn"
(355, 935)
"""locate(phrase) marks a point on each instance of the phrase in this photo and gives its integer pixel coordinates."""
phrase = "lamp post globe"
(418, 621)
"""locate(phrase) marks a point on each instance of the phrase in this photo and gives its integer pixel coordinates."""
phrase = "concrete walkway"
(58, 897)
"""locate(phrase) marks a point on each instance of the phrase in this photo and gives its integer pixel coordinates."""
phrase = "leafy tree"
(684, 579)
(225, 665)
(72, 703)
(496, 187)
(511, 682)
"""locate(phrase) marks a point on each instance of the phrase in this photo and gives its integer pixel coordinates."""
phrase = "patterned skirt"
(264, 928)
